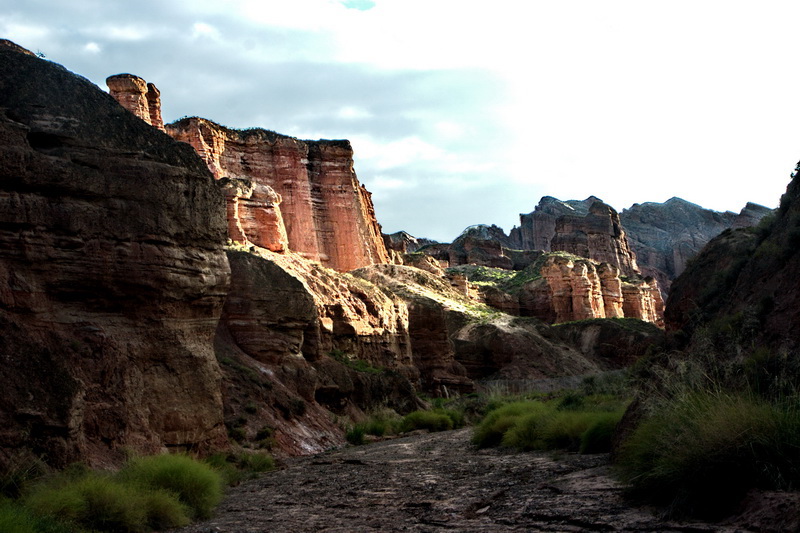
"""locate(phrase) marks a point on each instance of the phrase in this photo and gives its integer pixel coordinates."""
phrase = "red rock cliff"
(598, 236)
(112, 276)
(571, 288)
(137, 96)
(329, 216)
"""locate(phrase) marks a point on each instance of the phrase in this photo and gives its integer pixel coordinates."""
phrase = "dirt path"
(431, 483)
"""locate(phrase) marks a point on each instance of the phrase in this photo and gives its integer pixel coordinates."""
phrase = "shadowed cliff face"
(665, 236)
(112, 275)
(748, 278)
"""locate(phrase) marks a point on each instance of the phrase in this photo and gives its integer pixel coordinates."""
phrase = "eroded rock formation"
(571, 288)
(598, 235)
(254, 215)
(137, 96)
(112, 276)
(666, 235)
(538, 227)
(328, 215)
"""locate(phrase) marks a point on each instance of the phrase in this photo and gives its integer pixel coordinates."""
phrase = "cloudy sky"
(464, 112)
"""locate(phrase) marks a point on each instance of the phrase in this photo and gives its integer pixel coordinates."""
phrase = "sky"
(467, 112)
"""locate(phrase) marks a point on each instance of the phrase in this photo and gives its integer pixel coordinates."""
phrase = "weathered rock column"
(131, 92)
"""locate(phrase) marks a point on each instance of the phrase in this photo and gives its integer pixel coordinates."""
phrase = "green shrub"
(237, 467)
(355, 435)
(491, 429)
(702, 451)
(430, 420)
(15, 518)
(599, 435)
(196, 484)
(456, 416)
(22, 470)
(376, 427)
(255, 462)
(164, 511)
(526, 432)
(95, 501)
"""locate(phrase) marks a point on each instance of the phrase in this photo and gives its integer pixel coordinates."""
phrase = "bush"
(15, 518)
(94, 501)
(430, 420)
(495, 424)
(599, 435)
(702, 451)
(355, 435)
(235, 468)
(196, 484)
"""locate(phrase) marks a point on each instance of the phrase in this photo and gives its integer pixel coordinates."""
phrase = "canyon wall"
(325, 214)
(665, 236)
(743, 285)
(538, 227)
(112, 276)
(571, 288)
(598, 235)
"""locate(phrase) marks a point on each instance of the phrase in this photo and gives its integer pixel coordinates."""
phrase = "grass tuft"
(194, 483)
(702, 451)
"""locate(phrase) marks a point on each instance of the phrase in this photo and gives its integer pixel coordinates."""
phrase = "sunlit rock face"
(254, 215)
(326, 214)
(112, 275)
(137, 96)
(571, 288)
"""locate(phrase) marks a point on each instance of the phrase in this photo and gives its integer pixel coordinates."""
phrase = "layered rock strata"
(137, 96)
(299, 329)
(538, 227)
(572, 289)
(254, 215)
(112, 276)
(328, 214)
(598, 235)
(665, 236)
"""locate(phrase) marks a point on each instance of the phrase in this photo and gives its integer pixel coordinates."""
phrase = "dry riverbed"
(438, 482)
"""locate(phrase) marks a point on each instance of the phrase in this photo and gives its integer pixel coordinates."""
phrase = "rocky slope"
(746, 279)
(326, 214)
(129, 325)
(538, 227)
(112, 275)
(665, 236)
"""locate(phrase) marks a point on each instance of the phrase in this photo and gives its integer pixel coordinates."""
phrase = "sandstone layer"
(538, 227)
(137, 96)
(302, 345)
(598, 235)
(112, 276)
(327, 213)
(571, 288)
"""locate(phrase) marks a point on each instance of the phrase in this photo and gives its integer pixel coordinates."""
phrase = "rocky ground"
(437, 482)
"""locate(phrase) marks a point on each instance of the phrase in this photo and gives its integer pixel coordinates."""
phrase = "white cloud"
(201, 30)
(92, 47)
(352, 113)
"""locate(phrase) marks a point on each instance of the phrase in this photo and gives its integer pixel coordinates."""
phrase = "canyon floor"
(437, 482)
